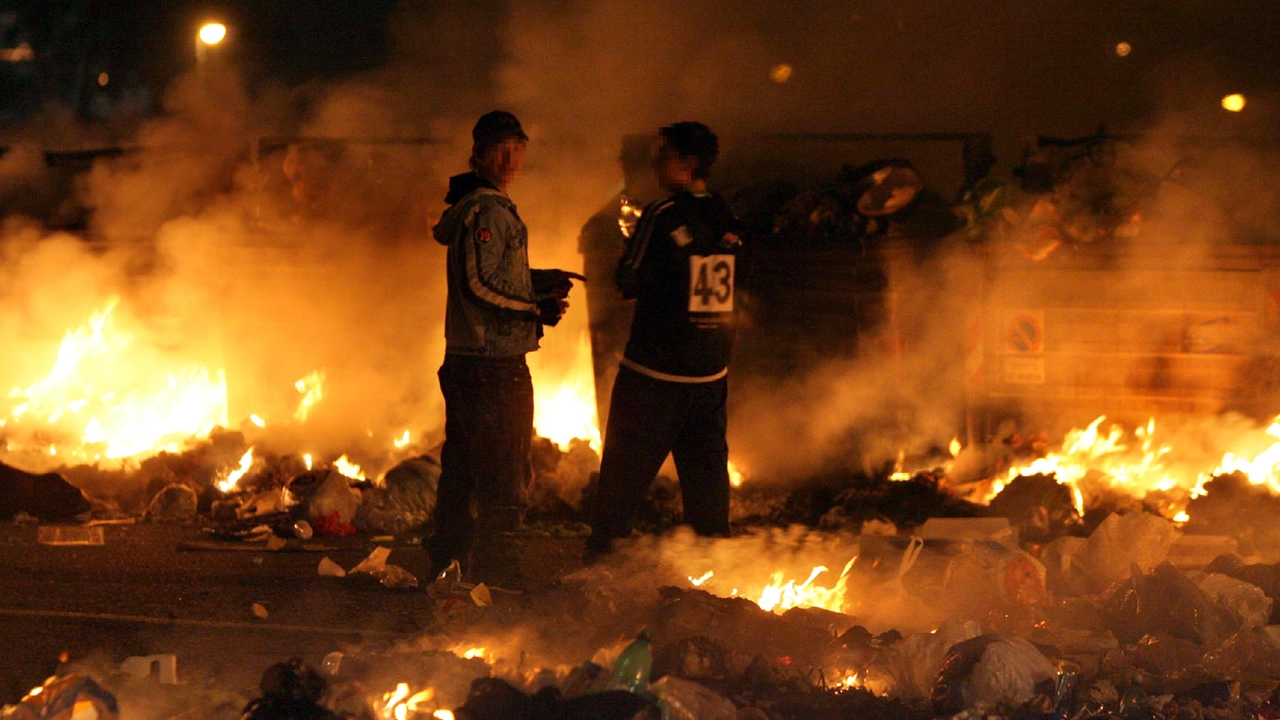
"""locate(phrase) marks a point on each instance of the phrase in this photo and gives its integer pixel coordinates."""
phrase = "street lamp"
(209, 35)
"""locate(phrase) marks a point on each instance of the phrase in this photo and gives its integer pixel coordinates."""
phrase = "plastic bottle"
(303, 529)
(631, 670)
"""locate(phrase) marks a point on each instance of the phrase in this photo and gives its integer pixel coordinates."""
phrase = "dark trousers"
(649, 418)
(488, 427)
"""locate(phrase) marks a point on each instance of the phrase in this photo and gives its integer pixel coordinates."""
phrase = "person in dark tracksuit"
(681, 266)
(494, 315)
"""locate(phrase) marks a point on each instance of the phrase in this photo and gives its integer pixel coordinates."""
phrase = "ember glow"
(109, 397)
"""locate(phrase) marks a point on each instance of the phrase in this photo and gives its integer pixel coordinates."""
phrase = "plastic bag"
(324, 494)
(1119, 543)
(990, 670)
(907, 670)
(1244, 600)
(1166, 601)
(686, 700)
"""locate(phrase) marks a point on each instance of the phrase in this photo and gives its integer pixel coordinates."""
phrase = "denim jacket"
(491, 308)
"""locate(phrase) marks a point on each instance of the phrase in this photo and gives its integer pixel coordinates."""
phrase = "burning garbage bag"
(990, 670)
(290, 691)
(63, 698)
(1166, 601)
(1077, 567)
(48, 497)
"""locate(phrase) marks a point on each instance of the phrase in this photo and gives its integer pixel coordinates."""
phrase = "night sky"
(1059, 56)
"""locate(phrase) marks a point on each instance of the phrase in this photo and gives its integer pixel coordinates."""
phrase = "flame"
(779, 597)
(311, 388)
(348, 468)
(735, 476)
(566, 410)
(246, 462)
(475, 652)
(1144, 465)
(402, 441)
(306, 460)
(697, 582)
(110, 397)
(256, 419)
(955, 447)
(399, 703)
(442, 715)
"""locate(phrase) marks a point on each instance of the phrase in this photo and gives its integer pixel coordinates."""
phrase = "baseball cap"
(494, 127)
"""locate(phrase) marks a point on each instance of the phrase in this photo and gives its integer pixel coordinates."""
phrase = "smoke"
(275, 259)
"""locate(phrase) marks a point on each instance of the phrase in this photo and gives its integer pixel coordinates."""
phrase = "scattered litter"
(631, 669)
(260, 612)
(70, 535)
(375, 562)
(329, 568)
(481, 596)
(70, 697)
(275, 542)
(396, 577)
(165, 667)
(302, 529)
(686, 700)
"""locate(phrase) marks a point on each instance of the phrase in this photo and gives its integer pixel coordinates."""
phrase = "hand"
(551, 310)
(557, 283)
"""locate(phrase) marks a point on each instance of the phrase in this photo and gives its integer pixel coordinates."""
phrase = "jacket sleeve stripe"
(482, 291)
(640, 244)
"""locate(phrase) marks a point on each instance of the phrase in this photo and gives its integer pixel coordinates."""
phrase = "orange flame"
(109, 397)
(565, 407)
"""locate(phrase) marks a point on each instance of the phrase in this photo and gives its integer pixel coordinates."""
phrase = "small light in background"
(212, 33)
(103, 79)
(780, 73)
(1233, 102)
(1123, 49)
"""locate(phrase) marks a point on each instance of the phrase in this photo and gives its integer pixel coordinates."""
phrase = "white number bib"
(711, 281)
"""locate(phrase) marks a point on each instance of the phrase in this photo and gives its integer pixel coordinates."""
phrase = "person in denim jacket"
(496, 310)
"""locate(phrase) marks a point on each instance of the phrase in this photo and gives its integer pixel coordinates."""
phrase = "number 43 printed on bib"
(711, 279)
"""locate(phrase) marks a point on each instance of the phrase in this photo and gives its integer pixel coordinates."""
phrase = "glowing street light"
(208, 37)
(212, 33)
(1233, 102)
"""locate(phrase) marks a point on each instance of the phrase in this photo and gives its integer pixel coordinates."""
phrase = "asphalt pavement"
(139, 594)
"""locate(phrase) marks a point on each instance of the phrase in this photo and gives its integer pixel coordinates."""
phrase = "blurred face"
(674, 172)
(499, 163)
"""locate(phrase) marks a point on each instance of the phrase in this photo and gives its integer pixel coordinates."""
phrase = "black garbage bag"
(290, 691)
(494, 699)
(1166, 601)
(48, 497)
